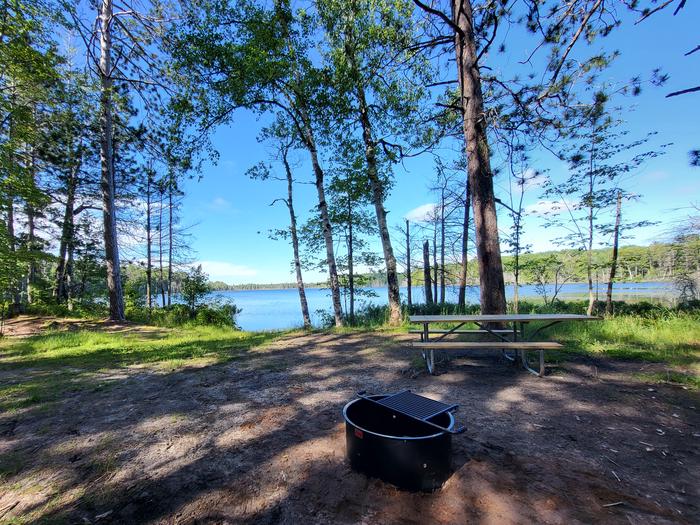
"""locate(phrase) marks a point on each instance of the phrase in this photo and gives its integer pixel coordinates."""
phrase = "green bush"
(215, 314)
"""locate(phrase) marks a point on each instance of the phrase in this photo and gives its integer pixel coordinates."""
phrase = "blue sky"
(232, 214)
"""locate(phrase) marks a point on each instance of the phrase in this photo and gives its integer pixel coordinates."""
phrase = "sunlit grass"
(61, 362)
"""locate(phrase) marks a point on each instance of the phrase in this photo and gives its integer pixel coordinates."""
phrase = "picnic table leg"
(429, 356)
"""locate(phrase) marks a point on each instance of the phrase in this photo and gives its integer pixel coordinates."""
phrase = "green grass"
(58, 363)
(673, 340)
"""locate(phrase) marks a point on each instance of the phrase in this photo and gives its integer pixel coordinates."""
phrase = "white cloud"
(226, 271)
(219, 204)
(422, 213)
(547, 207)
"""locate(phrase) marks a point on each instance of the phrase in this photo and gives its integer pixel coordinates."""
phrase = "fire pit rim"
(399, 438)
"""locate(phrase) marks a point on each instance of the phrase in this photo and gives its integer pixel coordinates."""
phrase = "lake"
(279, 309)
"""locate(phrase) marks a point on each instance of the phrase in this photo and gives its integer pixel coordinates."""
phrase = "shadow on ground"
(261, 440)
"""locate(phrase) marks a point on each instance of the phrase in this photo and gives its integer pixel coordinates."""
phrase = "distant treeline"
(656, 262)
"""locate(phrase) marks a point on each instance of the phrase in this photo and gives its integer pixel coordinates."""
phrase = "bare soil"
(262, 440)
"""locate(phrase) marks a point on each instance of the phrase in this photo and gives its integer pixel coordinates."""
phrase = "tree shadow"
(261, 440)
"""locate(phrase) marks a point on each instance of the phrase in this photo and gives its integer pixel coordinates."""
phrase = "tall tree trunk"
(16, 296)
(114, 285)
(351, 270)
(171, 183)
(442, 246)
(378, 193)
(408, 263)
(462, 297)
(161, 281)
(589, 244)
(435, 265)
(488, 251)
(32, 244)
(67, 236)
(149, 239)
(295, 242)
(613, 262)
(426, 273)
(310, 143)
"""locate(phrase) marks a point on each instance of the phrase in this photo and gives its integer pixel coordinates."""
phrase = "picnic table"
(513, 337)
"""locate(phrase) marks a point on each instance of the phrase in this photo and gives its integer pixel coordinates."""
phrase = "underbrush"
(175, 315)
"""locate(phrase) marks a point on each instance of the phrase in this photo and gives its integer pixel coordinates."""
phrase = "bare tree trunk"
(149, 240)
(171, 183)
(31, 233)
(310, 143)
(435, 265)
(351, 271)
(442, 245)
(378, 193)
(67, 236)
(589, 245)
(613, 263)
(408, 263)
(488, 251)
(426, 273)
(295, 241)
(462, 297)
(160, 249)
(114, 285)
(16, 297)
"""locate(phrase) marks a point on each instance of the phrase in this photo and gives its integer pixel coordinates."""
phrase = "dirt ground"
(262, 441)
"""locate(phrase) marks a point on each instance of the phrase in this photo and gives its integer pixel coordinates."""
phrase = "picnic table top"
(500, 318)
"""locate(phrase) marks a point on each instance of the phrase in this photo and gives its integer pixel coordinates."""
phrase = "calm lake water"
(279, 309)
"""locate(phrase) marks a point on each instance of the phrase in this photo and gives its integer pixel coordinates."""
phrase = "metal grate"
(416, 406)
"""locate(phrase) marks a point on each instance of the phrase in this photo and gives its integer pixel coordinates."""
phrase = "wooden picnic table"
(514, 337)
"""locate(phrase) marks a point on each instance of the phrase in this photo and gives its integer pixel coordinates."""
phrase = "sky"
(231, 216)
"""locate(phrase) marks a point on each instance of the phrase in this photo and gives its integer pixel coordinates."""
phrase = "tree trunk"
(114, 285)
(32, 245)
(426, 273)
(378, 194)
(488, 251)
(149, 261)
(16, 296)
(295, 243)
(408, 264)
(171, 183)
(442, 246)
(435, 266)
(589, 245)
(310, 143)
(462, 297)
(67, 236)
(161, 281)
(351, 271)
(613, 263)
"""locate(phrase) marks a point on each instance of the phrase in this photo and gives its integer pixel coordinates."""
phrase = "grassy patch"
(691, 381)
(58, 363)
(674, 340)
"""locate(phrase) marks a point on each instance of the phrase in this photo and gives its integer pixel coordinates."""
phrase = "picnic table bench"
(513, 338)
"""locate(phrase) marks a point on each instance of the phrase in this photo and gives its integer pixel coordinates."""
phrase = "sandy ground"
(262, 441)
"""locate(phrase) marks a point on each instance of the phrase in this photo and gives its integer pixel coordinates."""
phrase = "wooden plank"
(417, 331)
(493, 345)
(504, 318)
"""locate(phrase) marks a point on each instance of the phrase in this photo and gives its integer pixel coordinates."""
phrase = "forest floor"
(215, 426)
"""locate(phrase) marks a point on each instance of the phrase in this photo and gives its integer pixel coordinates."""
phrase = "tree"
(598, 165)
(194, 287)
(266, 66)
(370, 51)
(284, 145)
(533, 104)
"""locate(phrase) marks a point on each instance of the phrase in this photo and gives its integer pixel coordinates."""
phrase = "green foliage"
(194, 287)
